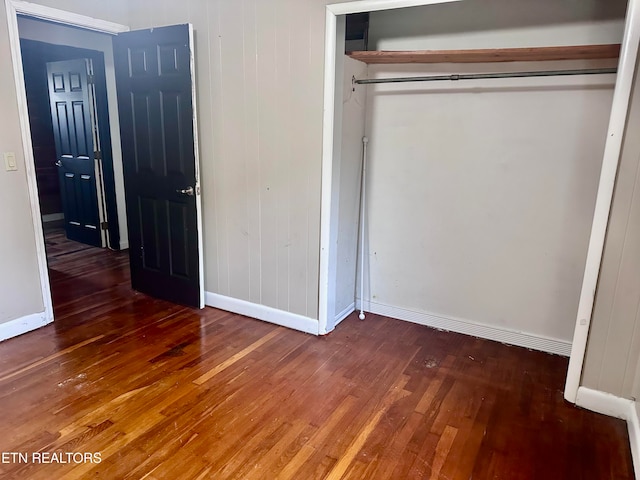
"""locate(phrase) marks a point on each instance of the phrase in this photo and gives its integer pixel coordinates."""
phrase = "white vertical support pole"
(363, 199)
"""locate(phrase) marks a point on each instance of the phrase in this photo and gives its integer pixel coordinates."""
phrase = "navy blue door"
(71, 113)
(155, 105)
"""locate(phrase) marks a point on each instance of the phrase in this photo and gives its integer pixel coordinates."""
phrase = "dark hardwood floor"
(161, 391)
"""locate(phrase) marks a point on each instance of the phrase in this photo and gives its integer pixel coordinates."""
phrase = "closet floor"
(142, 388)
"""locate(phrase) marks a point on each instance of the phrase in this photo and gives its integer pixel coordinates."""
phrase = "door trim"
(328, 197)
(196, 155)
(604, 198)
(13, 9)
(16, 7)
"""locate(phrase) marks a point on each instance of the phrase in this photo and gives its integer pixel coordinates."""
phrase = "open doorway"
(80, 210)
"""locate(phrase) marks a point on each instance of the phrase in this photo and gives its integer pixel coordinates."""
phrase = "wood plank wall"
(259, 86)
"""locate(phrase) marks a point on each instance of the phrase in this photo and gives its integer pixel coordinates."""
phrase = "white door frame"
(328, 219)
(612, 150)
(613, 146)
(13, 9)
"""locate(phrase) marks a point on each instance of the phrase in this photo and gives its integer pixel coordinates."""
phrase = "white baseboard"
(262, 312)
(21, 325)
(124, 245)
(52, 217)
(345, 313)
(604, 403)
(468, 327)
(608, 404)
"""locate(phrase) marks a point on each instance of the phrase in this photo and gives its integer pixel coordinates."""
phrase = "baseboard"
(124, 245)
(618, 407)
(468, 327)
(262, 312)
(52, 217)
(21, 325)
(605, 403)
(345, 313)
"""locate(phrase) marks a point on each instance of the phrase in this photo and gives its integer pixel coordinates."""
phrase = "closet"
(480, 192)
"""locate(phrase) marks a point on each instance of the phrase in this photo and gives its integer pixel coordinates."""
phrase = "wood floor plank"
(443, 448)
(395, 393)
(235, 358)
(289, 470)
(162, 391)
(50, 358)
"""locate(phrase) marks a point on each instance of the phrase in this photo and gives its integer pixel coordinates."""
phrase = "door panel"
(70, 100)
(155, 100)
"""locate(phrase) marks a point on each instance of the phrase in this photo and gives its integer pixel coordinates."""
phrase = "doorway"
(43, 45)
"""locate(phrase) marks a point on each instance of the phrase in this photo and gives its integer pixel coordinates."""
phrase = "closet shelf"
(487, 55)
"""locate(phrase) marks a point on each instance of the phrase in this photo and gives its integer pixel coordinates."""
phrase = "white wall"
(20, 293)
(19, 277)
(481, 195)
(498, 24)
(353, 102)
(57, 34)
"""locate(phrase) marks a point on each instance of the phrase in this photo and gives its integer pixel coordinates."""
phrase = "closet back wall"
(481, 198)
(481, 193)
(498, 24)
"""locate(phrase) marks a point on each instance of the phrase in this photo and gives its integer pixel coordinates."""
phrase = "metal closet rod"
(479, 76)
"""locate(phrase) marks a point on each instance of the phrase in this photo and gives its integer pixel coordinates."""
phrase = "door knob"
(186, 191)
(58, 163)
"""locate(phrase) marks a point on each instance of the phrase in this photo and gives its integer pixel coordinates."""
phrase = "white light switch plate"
(10, 161)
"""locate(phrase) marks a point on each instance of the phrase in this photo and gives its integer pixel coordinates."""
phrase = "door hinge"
(97, 155)
(91, 79)
(104, 225)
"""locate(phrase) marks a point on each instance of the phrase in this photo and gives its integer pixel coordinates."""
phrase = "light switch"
(10, 161)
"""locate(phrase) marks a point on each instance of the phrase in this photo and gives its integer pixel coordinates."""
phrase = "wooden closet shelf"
(487, 55)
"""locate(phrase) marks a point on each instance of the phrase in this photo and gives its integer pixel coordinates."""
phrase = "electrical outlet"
(10, 161)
